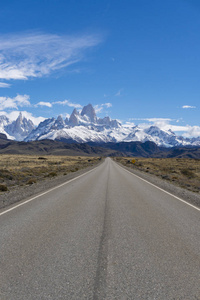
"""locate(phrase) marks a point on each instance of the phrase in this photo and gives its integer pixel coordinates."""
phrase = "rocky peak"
(19, 119)
(59, 123)
(20, 128)
(4, 121)
(153, 130)
(75, 112)
(60, 120)
(73, 120)
(89, 111)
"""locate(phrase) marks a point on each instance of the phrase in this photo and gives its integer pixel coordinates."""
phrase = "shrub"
(187, 173)
(3, 188)
(31, 181)
(52, 174)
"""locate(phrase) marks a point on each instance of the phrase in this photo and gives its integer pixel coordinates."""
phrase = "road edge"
(176, 191)
(23, 193)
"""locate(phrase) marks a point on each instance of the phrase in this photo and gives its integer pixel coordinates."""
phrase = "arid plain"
(183, 172)
(21, 170)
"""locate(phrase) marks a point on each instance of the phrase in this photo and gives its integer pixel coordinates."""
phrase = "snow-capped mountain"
(16, 130)
(4, 121)
(85, 126)
(20, 128)
(80, 127)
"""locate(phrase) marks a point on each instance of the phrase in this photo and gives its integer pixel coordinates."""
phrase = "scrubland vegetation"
(180, 171)
(28, 169)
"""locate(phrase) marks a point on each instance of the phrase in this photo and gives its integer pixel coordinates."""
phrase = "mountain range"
(136, 149)
(86, 127)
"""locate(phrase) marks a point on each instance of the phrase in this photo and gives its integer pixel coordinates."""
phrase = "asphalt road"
(105, 235)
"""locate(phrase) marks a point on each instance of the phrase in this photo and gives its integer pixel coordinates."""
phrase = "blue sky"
(137, 61)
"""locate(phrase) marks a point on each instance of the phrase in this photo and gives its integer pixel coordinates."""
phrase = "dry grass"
(28, 169)
(180, 171)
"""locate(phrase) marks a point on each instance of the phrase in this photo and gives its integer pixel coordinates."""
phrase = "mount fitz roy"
(85, 126)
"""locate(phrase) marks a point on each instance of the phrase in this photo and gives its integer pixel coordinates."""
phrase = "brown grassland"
(180, 171)
(28, 169)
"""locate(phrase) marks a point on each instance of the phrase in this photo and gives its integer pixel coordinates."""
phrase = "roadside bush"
(31, 181)
(3, 188)
(52, 174)
(43, 158)
(187, 173)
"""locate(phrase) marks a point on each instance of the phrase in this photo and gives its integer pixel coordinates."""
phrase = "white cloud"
(118, 94)
(99, 107)
(4, 85)
(192, 131)
(165, 125)
(14, 103)
(35, 55)
(107, 104)
(129, 124)
(152, 119)
(67, 116)
(41, 103)
(188, 106)
(162, 123)
(68, 103)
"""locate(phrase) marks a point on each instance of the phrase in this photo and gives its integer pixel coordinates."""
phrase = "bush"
(3, 188)
(187, 173)
(31, 181)
(52, 174)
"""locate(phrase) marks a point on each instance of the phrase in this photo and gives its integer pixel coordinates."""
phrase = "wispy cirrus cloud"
(99, 107)
(68, 103)
(4, 85)
(15, 102)
(188, 106)
(38, 54)
(119, 93)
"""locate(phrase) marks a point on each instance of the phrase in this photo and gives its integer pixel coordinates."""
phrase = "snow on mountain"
(89, 111)
(4, 121)
(16, 130)
(80, 127)
(20, 128)
(42, 129)
(85, 126)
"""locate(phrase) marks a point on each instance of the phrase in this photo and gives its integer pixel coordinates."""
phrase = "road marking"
(44, 193)
(197, 208)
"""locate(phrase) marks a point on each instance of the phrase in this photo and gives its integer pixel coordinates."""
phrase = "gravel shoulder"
(20, 193)
(188, 196)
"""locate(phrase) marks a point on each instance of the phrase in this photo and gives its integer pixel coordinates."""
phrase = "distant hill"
(137, 149)
(50, 147)
(150, 149)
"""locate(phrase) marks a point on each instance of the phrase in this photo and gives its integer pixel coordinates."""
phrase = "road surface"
(105, 235)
